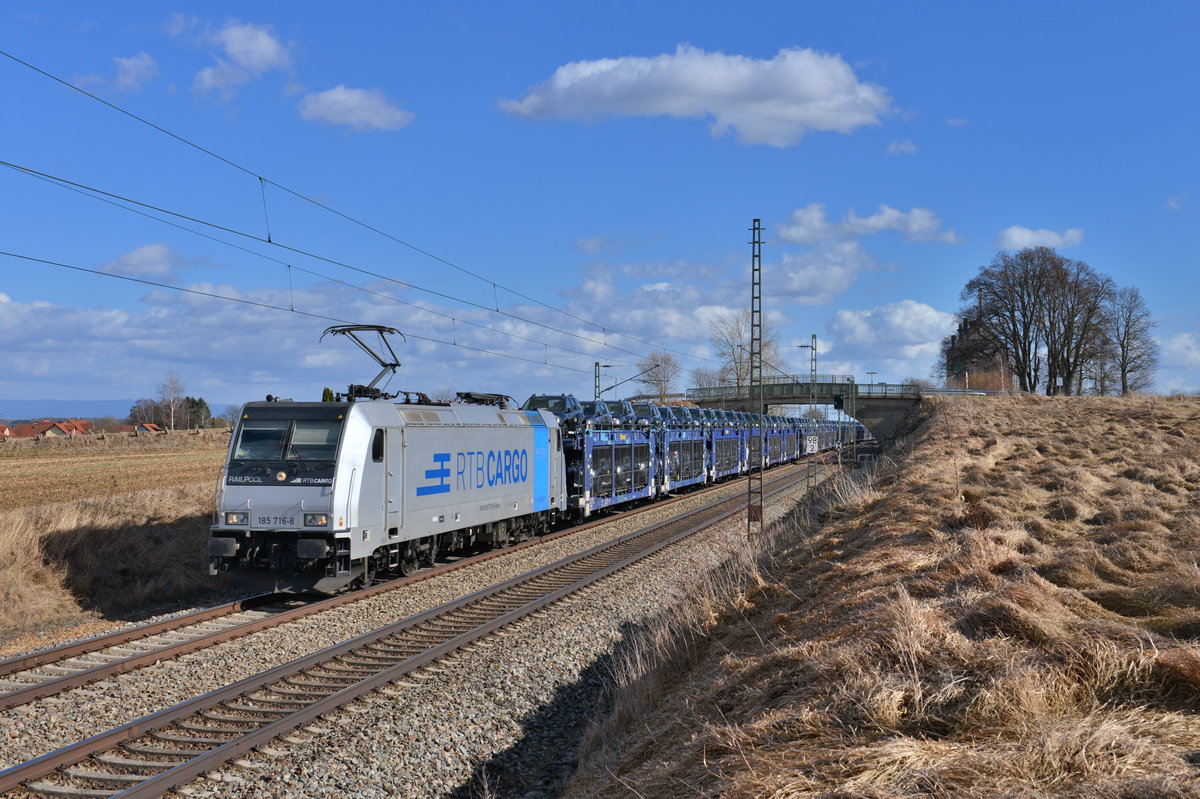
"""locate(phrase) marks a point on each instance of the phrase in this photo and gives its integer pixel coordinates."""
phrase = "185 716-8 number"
(276, 519)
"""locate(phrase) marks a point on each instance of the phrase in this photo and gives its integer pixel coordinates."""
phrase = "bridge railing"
(872, 390)
(772, 387)
(825, 387)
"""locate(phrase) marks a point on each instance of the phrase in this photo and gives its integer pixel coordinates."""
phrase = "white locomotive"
(316, 496)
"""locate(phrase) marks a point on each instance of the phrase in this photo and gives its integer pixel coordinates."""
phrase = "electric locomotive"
(317, 496)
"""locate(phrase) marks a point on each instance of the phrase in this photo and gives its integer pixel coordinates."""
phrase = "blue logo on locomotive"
(440, 474)
(474, 470)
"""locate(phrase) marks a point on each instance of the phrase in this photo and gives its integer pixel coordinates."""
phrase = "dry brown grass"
(90, 529)
(1010, 611)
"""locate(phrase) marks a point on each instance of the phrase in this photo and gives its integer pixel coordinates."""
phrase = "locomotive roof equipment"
(369, 391)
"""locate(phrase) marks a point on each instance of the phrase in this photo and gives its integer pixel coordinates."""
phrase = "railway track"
(34, 676)
(151, 755)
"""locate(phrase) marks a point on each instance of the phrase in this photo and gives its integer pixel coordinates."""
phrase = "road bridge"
(879, 406)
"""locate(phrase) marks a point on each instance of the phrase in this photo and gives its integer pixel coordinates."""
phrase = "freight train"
(319, 496)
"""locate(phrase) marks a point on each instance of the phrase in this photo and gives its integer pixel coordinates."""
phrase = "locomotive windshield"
(301, 435)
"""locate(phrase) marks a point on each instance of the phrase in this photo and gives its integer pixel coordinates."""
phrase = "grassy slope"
(1011, 610)
(89, 529)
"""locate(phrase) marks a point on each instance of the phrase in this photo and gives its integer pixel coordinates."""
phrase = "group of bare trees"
(172, 409)
(1054, 323)
(729, 334)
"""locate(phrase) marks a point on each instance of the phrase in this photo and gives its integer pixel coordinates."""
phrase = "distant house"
(48, 428)
(45, 428)
(4, 431)
(144, 427)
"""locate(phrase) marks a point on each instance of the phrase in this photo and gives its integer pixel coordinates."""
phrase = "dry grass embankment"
(1012, 610)
(90, 529)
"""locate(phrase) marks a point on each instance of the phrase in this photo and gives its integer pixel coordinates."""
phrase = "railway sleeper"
(54, 789)
(310, 692)
(248, 719)
(324, 686)
(196, 727)
(278, 701)
(256, 710)
(103, 776)
(187, 740)
(330, 674)
(157, 751)
(335, 667)
(372, 663)
(126, 762)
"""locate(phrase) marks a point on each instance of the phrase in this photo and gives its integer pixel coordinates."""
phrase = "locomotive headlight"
(238, 517)
(316, 520)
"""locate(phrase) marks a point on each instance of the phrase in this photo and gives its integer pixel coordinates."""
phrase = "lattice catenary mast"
(754, 493)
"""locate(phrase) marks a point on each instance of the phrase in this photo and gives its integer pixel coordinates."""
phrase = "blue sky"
(589, 172)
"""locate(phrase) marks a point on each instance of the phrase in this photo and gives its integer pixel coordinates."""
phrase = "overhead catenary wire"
(269, 306)
(101, 193)
(299, 195)
(101, 197)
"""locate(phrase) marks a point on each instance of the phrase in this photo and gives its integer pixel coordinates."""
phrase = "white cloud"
(590, 245)
(817, 276)
(1018, 237)
(178, 24)
(252, 47)
(956, 123)
(361, 109)
(1181, 351)
(902, 331)
(809, 225)
(1175, 203)
(771, 102)
(156, 261)
(250, 51)
(905, 147)
(133, 72)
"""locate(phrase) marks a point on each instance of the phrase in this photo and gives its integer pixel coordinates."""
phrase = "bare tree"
(730, 335)
(1052, 318)
(705, 377)
(170, 394)
(1010, 296)
(1135, 353)
(662, 370)
(1074, 311)
(145, 411)
(231, 415)
(443, 394)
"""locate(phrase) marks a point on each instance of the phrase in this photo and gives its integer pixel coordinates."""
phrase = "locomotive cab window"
(300, 434)
(261, 438)
(377, 446)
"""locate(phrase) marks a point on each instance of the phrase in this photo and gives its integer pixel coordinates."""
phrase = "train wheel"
(408, 560)
(431, 552)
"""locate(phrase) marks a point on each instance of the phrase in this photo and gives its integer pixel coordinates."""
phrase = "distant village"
(69, 428)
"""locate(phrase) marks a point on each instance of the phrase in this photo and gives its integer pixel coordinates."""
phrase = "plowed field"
(53, 472)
